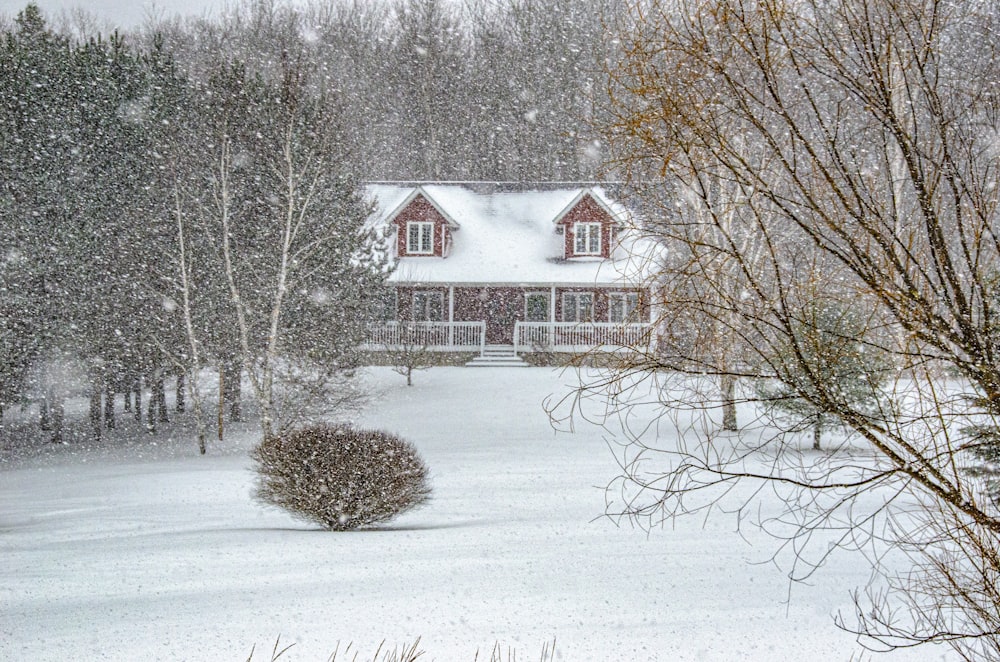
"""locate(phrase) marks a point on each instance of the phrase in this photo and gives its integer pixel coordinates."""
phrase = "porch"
(578, 337)
(428, 336)
(570, 337)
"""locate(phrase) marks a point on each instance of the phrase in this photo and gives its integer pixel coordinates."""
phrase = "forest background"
(187, 193)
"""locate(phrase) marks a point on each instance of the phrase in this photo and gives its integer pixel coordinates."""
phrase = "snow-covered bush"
(339, 476)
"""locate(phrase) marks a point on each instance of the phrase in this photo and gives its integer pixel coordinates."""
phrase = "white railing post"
(451, 316)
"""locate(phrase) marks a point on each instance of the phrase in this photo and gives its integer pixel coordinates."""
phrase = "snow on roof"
(507, 236)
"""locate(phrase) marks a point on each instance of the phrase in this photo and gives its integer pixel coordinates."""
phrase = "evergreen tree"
(41, 150)
(826, 358)
(80, 212)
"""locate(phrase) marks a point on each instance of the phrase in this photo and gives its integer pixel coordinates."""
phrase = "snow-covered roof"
(415, 191)
(506, 234)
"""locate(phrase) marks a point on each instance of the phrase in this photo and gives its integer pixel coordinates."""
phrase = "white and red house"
(528, 266)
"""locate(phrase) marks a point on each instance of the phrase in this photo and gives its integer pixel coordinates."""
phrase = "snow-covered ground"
(150, 552)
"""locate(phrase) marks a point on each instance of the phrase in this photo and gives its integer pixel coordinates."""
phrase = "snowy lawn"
(136, 551)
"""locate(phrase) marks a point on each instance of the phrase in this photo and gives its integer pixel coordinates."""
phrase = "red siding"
(420, 210)
(588, 210)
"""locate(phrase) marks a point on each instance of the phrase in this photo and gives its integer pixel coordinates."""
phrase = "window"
(420, 238)
(385, 304)
(587, 238)
(623, 307)
(536, 307)
(427, 306)
(578, 307)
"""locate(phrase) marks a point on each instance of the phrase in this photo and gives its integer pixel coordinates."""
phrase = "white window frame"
(587, 238)
(623, 307)
(421, 308)
(578, 307)
(420, 238)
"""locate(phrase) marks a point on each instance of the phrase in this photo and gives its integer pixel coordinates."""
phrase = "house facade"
(530, 267)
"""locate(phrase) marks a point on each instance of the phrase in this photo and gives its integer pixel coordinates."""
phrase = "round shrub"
(339, 476)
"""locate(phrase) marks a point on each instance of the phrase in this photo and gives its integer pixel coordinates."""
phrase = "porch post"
(451, 316)
(550, 334)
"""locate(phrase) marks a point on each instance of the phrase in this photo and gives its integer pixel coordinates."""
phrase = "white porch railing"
(433, 336)
(579, 336)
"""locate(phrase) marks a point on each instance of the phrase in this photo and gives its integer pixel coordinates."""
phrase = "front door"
(502, 308)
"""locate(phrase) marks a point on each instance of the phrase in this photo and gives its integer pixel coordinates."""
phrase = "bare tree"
(857, 142)
(691, 274)
(409, 351)
(185, 287)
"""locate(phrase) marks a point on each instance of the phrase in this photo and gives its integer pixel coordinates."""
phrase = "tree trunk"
(727, 384)
(222, 402)
(136, 392)
(179, 403)
(161, 397)
(151, 411)
(817, 432)
(96, 389)
(195, 359)
(109, 408)
(232, 390)
(58, 411)
(44, 420)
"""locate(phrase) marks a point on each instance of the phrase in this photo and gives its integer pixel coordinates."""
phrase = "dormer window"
(587, 238)
(420, 238)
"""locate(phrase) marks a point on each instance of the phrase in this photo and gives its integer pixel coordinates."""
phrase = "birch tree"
(286, 219)
(698, 288)
(185, 287)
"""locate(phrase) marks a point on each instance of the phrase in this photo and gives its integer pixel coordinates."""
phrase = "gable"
(580, 217)
(420, 209)
(586, 210)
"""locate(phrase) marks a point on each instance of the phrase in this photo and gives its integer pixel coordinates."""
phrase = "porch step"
(497, 356)
(496, 362)
(498, 350)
